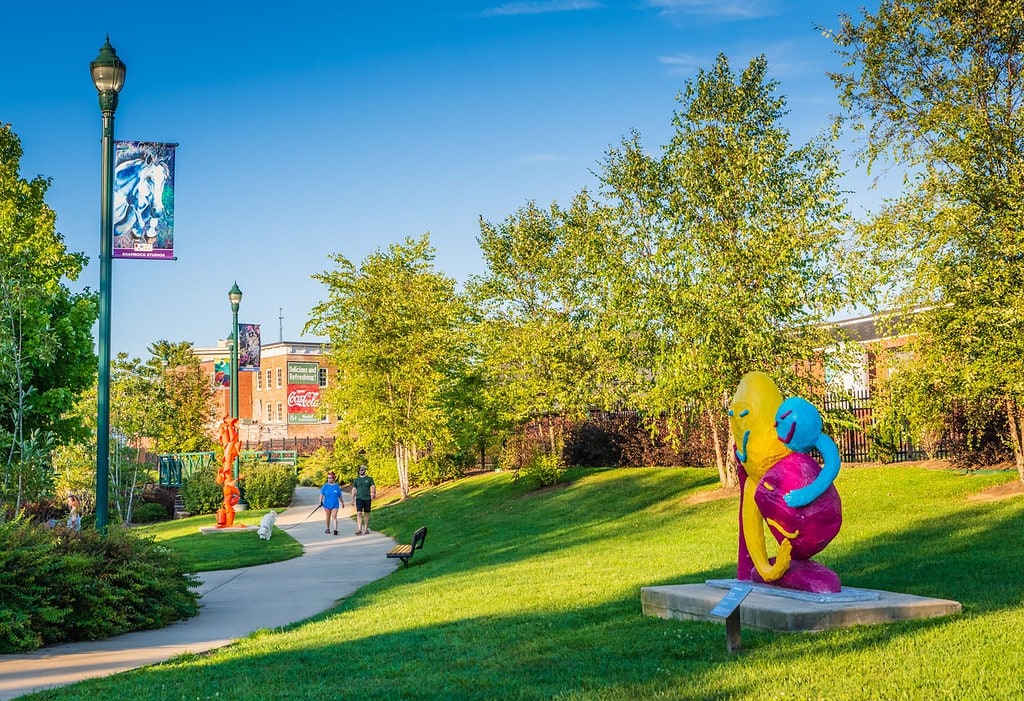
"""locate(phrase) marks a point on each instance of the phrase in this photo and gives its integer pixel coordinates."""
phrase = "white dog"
(266, 528)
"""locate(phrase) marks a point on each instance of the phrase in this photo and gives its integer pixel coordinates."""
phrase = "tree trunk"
(726, 466)
(402, 462)
(1013, 418)
(717, 443)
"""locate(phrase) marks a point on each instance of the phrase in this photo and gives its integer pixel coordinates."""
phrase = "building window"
(270, 413)
(268, 378)
(259, 380)
(323, 377)
(280, 375)
(280, 411)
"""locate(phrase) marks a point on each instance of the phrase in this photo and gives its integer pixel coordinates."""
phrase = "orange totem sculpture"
(225, 475)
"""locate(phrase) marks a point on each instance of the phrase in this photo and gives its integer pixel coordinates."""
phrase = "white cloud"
(786, 60)
(683, 64)
(538, 7)
(727, 9)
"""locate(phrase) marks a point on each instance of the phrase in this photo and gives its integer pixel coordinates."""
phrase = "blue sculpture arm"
(805, 495)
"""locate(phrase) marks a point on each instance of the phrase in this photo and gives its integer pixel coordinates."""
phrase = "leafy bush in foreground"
(59, 586)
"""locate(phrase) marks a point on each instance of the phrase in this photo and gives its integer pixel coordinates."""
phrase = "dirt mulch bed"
(999, 492)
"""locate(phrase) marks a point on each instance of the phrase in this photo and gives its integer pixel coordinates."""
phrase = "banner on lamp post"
(143, 200)
(249, 348)
(222, 373)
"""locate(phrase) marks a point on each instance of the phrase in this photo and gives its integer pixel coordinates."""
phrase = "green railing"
(290, 457)
(174, 466)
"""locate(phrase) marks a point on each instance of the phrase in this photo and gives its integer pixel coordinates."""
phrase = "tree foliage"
(160, 405)
(539, 332)
(728, 250)
(182, 398)
(936, 87)
(46, 354)
(397, 332)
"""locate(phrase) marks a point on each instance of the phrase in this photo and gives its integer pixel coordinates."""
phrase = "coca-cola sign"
(303, 392)
(304, 399)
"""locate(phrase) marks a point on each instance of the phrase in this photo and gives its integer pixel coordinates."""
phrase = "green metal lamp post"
(235, 297)
(108, 72)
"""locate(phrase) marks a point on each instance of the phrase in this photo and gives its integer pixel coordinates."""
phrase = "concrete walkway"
(234, 603)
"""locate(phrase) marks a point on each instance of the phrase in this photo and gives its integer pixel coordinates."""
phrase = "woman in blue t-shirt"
(330, 499)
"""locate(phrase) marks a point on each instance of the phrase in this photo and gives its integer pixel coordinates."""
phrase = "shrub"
(269, 485)
(593, 444)
(380, 465)
(542, 470)
(627, 440)
(517, 452)
(200, 492)
(149, 513)
(44, 510)
(435, 469)
(28, 566)
(155, 494)
(121, 583)
(58, 585)
(313, 468)
(976, 435)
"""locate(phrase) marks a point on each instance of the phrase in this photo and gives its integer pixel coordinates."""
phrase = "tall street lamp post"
(108, 72)
(235, 297)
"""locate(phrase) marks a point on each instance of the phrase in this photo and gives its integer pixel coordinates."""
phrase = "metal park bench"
(405, 552)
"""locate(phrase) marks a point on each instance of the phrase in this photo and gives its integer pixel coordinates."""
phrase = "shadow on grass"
(603, 647)
(494, 527)
(526, 656)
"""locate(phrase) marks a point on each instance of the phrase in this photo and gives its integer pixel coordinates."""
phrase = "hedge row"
(57, 585)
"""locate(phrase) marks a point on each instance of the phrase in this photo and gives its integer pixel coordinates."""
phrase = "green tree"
(728, 251)
(46, 355)
(163, 405)
(182, 401)
(396, 328)
(539, 333)
(935, 87)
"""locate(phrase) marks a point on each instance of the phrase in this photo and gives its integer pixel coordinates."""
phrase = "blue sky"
(312, 128)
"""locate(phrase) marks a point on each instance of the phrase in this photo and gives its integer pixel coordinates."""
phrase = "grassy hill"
(536, 595)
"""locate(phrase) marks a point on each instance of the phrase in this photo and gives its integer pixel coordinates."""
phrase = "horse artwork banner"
(249, 348)
(143, 200)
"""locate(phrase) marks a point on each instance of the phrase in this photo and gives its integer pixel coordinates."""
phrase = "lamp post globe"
(108, 74)
(235, 297)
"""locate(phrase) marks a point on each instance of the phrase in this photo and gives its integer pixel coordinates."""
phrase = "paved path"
(234, 604)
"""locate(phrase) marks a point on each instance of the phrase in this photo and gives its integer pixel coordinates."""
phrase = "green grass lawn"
(222, 551)
(521, 595)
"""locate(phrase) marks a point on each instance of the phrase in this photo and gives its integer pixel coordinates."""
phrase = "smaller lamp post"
(235, 297)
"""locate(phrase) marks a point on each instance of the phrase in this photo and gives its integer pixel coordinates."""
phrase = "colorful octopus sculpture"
(784, 487)
(225, 474)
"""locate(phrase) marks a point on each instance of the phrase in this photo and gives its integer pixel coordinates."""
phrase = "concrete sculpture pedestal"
(789, 610)
(210, 530)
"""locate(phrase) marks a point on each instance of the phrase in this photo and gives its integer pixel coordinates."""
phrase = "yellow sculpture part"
(752, 419)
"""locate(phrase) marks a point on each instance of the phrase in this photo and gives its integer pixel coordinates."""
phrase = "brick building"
(880, 343)
(278, 404)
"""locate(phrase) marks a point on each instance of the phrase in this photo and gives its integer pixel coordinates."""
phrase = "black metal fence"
(302, 446)
(855, 443)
